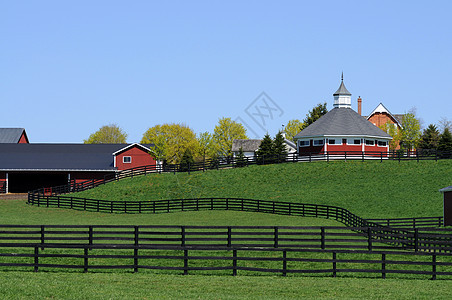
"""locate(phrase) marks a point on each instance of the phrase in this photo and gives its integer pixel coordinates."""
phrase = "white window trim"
(301, 145)
(335, 140)
(322, 144)
(384, 145)
(126, 162)
(365, 142)
(353, 140)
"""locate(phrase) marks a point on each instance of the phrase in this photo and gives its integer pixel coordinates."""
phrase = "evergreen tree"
(187, 160)
(265, 152)
(314, 114)
(279, 147)
(240, 159)
(429, 138)
(445, 143)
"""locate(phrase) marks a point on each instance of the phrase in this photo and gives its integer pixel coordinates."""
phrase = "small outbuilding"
(447, 213)
(13, 136)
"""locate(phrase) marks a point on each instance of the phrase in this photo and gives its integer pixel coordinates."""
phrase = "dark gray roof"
(247, 145)
(10, 135)
(342, 90)
(58, 156)
(345, 122)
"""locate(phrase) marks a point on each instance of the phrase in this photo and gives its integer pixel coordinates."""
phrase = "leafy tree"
(445, 141)
(205, 144)
(224, 133)
(429, 138)
(394, 131)
(187, 160)
(172, 140)
(292, 128)
(108, 134)
(279, 147)
(240, 158)
(445, 123)
(411, 130)
(265, 152)
(315, 114)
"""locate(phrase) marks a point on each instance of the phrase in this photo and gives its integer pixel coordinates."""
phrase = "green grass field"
(369, 189)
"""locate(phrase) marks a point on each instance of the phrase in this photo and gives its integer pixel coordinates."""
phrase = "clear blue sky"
(69, 67)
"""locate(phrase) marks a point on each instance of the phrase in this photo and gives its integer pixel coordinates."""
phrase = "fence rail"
(411, 237)
(284, 250)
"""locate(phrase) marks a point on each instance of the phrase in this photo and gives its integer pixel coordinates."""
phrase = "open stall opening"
(24, 182)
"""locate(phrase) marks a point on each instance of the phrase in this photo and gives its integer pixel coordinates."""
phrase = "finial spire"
(342, 76)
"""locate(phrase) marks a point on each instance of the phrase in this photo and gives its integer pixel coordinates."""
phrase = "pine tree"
(265, 152)
(187, 161)
(240, 159)
(429, 138)
(279, 147)
(445, 143)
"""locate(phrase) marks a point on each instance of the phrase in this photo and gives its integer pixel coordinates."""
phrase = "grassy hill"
(370, 189)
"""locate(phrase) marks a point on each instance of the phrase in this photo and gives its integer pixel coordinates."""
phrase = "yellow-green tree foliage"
(108, 134)
(206, 147)
(171, 141)
(293, 128)
(411, 131)
(224, 133)
(394, 131)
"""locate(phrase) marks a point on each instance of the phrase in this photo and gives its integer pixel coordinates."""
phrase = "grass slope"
(370, 189)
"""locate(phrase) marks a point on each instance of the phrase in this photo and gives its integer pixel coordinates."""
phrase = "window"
(318, 142)
(354, 141)
(127, 159)
(304, 143)
(382, 143)
(331, 142)
(370, 142)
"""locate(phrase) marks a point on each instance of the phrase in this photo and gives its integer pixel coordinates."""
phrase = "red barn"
(25, 167)
(13, 135)
(342, 129)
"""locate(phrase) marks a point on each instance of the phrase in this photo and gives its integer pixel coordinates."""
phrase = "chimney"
(359, 105)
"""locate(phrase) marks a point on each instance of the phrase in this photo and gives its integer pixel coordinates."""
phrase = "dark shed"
(447, 192)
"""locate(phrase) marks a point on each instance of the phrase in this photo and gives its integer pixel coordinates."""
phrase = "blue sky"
(69, 67)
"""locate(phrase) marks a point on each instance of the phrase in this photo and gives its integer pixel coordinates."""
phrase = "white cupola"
(342, 97)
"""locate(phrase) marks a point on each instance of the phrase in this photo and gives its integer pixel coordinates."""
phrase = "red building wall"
(140, 157)
(23, 139)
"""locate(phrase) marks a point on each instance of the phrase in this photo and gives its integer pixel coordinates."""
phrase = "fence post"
(345, 155)
(383, 266)
(229, 236)
(334, 264)
(182, 229)
(322, 238)
(135, 250)
(369, 238)
(284, 263)
(362, 154)
(275, 238)
(90, 236)
(185, 262)
(381, 157)
(234, 262)
(111, 206)
(416, 239)
(42, 237)
(85, 259)
(36, 258)
(433, 266)
(98, 205)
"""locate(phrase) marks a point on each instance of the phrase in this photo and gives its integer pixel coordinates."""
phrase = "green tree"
(240, 158)
(224, 133)
(292, 128)
(445, 141)
(411, 130)
(394, 131)
(315, 114)
(108, 134)
(429, 138)
(205, 145)
(171, 140)
(265, 153)
(279, 147)
(187, 161)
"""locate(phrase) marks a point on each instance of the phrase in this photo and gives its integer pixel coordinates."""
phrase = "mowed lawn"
(369, 189)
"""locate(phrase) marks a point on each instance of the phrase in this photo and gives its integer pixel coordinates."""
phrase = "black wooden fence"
(250, 205)
(284, 250)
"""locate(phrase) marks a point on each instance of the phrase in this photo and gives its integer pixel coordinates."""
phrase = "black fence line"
(182, 255)
(323, 237)
(234, 162)
(238, 204)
